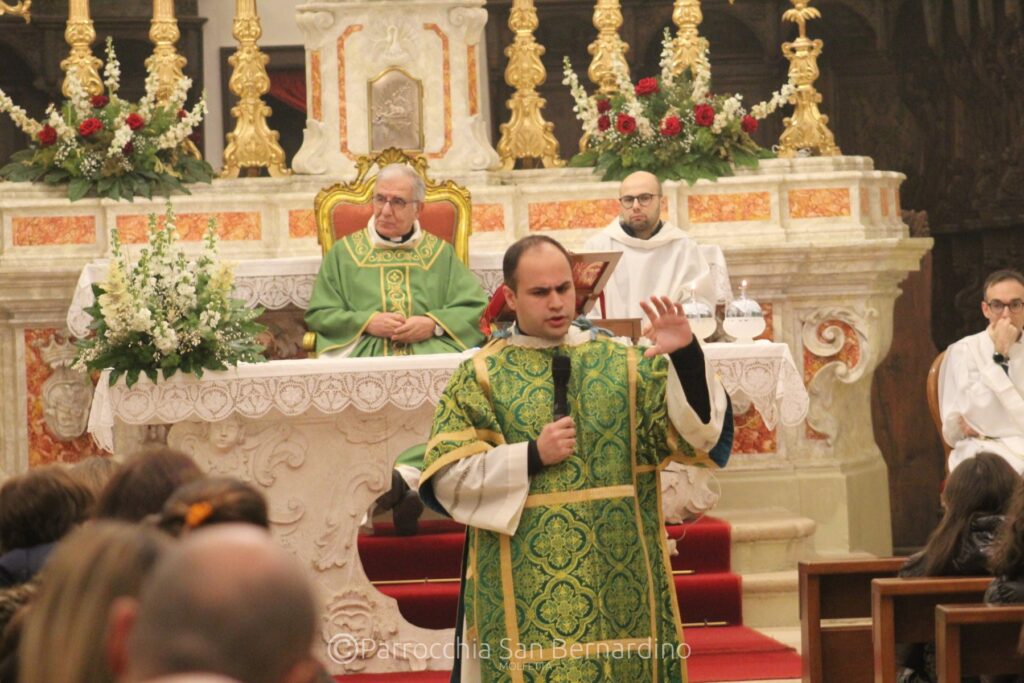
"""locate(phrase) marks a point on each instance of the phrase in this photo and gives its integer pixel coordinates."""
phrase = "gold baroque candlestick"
(808, 128)
(689, 46)
(252, 144)
(80, 35)
(165, 61)
(22, 9)
(527, 134)
(608, 50)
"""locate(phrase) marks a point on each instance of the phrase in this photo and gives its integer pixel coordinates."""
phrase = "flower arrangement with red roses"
(110, 147)
(670, 125)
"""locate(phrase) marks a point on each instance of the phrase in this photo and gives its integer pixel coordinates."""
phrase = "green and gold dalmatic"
(582, 591)
(358, 279)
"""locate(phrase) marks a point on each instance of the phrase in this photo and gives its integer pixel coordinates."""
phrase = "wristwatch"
(438, 330)
(1000, 358)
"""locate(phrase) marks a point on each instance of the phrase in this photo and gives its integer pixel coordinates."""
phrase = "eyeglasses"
(997, 306)
(644, 199)
(397, 203)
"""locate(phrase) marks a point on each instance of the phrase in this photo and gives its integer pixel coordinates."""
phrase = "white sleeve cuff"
(487, 490)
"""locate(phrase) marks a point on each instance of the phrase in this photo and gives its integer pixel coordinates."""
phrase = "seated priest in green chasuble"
(393, 289)
(548, 444)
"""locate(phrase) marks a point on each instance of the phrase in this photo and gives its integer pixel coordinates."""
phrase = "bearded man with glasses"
(982, 379)
(657, 257)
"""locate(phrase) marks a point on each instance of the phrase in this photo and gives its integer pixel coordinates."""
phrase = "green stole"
(358, 279)
(583, 590)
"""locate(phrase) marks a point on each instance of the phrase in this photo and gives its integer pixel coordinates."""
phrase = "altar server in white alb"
(982, 379)
(657, 257)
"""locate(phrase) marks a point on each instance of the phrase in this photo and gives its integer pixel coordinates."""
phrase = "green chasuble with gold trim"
(582, 591)
(358, 279)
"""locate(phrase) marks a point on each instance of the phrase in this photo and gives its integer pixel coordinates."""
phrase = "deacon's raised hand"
(384, 324)
(557, 441)
(669, 328)
(414, 329)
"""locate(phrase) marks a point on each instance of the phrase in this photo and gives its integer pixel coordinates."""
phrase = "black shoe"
(407, 514)
(394, 496)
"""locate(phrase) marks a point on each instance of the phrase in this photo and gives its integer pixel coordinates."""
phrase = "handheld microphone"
(561, 369)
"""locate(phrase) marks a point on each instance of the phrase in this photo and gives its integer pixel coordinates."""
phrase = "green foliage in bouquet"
(167, 313)
(671, 126)
(110, 147)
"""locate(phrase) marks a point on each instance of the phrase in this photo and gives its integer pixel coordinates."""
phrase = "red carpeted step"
(430, 605)
(704, 545)
(426, 527)
(727, 653)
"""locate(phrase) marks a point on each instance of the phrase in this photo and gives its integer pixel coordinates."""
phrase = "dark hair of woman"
(213, 500)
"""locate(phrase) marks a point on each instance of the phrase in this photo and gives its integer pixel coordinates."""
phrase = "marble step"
(767, 540)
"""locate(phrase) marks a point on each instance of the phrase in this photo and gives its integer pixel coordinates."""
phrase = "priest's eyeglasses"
(997, 306)
(397, 203)
(644, 199)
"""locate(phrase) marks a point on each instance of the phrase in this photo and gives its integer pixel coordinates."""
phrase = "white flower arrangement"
(670, 125)
(108, 146)
(168, 313)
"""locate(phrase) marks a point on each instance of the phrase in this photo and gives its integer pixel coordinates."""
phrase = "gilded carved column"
(608, 49)
(252, 144)
(80, 35)
(22, 9)
(165, 60)
(527, 135)
(807, 128)
(689, 46)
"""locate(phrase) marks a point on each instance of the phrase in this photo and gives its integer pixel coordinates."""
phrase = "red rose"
(135, 121)
(704, 115)
(99, 101)
(625, 124)
(604, 122)
(182, 114)
(90, 127)
(748, 124)
(128, 149)
(604, 106)
(671, 126)
(646, 86)
(47, 136)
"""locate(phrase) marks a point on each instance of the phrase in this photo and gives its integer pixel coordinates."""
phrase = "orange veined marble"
(721, 208)
(848, 355)
(488, 218)
(577, 213)
(819, 203)
(865, 203)
(883, 195)
(301, 223)
(752, 435)
(316, 83)
(231, 226)
(44, 447)
(342, 106)
(474, 88)
(447, 76)
(38, 231)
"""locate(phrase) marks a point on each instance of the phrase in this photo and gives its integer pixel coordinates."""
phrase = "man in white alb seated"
(658, 257)
(981, 382)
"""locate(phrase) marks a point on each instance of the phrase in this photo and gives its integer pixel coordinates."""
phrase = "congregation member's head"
(226, 601)
(979, 486)
(539, 287)
(398, 196)
(1008, 550)
(40, 506)
(1004, 298)
(213, 500)
(94, 473)
(65, 630)
(144, 483)
(640, 199)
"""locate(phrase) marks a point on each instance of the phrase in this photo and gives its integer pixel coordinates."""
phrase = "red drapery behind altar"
(289, 86)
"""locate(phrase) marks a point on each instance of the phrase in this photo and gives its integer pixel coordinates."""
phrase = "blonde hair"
(66, 627)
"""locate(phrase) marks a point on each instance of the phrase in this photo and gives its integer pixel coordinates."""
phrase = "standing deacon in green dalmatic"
(393, 289)
(567, 576)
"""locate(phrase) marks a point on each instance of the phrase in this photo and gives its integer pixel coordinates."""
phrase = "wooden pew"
(903, 611)
(832, 590)
(977, 639)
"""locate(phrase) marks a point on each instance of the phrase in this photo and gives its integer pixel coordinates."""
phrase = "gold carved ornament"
(807, 128)
(527, 135)
(690, 47)
(80, 35)
(165, 61)
(608, 49)
(252, 145)
(22, 9)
